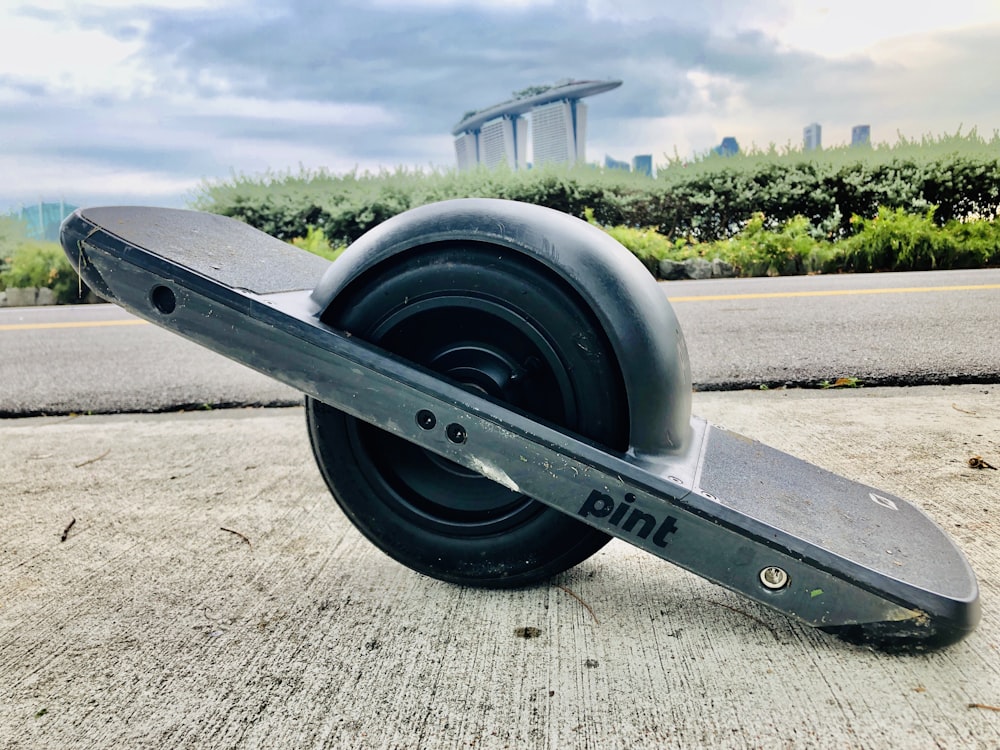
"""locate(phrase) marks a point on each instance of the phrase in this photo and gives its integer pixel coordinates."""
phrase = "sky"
(147, 101)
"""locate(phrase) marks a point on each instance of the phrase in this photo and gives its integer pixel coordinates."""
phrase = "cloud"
(434, 63)
(488, 6)
(77, 180)
(198, 89)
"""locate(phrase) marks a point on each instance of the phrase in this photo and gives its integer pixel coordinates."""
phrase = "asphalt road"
(926, 328)
(882, 329)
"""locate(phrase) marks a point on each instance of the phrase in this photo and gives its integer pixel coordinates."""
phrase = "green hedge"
(893, 241)
(42, 264)
(704, 200)
(897, 241)
(31, 263)
(346, 206)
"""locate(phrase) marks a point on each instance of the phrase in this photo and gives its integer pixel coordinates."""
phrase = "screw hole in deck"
(163, 299)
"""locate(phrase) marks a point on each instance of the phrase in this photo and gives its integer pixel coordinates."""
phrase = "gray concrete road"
(209, 594)
(887, 329)
(100, 359)
(908, 328)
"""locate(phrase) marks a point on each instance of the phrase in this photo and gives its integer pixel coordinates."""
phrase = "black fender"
(630, 305)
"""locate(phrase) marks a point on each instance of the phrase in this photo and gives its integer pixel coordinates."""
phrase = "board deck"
(230, 252)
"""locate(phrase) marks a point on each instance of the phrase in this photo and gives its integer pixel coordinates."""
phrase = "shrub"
(42, 264)
(12, 232)
(972, 244)
(895, 241)
(316, 243)
(789, 249)
(646, 244)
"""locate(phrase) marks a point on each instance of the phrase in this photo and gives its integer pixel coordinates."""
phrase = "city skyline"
(499, 134)
(144, 100)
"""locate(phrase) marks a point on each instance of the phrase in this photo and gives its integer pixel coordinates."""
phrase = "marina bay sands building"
(499, 134)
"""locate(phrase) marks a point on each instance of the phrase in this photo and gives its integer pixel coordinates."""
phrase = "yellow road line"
(834, 293)
(71, 324)
(693, 298)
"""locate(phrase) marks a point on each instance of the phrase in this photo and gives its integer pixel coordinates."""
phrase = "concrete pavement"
(209, 594)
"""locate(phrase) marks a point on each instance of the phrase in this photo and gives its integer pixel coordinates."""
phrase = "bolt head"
(774, 578)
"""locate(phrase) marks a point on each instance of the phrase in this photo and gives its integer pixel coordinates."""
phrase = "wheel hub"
(486, 348)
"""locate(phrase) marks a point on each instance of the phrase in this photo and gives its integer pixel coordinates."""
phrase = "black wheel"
(498, 324)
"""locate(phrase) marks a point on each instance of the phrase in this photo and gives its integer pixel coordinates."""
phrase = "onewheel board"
(494, 390)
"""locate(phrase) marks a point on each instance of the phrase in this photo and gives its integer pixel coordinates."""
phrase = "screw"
(773, 578)
(426, 419)
(456, 433)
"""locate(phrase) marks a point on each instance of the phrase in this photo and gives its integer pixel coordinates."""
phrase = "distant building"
(42, 220)
(728, 147)
(610, 163)
(499, 133)
(559, 133)
(503, 141)
(467, 150)
(861, 135)
(812, 137)
(643, 164)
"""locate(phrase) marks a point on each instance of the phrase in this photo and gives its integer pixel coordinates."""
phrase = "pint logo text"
(628, 518)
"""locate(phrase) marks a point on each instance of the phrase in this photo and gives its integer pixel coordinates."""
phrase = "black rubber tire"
(500, 324)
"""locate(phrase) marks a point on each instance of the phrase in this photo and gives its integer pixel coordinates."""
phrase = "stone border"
(34, 296)
(27, 296)
(695, 268)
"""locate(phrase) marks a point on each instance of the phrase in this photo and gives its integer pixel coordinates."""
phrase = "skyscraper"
(861, 135)
(558, 127)
(467, 150)
(643, 164)
(42, 220)
(559, 132)
(612, 163)
(812, 136)
(502, 141)
(728, 147)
